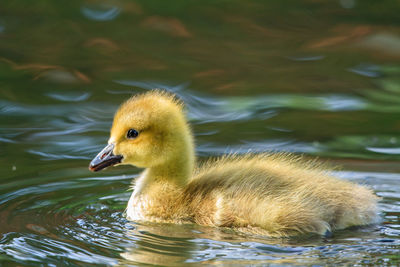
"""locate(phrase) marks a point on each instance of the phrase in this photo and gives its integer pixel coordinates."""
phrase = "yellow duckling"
(269, 194)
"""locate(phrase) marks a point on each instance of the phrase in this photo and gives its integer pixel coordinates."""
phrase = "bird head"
(148, 130)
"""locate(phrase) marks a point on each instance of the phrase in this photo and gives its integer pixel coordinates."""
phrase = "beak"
(104, 159)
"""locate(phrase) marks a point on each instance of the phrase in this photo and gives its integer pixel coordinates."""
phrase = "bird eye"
(132, 133)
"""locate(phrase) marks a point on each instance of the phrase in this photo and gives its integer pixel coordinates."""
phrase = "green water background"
(320, 78)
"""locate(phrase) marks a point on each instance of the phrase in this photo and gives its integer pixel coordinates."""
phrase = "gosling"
(275, 195)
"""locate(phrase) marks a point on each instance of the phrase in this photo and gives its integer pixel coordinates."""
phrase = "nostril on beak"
(105, 158)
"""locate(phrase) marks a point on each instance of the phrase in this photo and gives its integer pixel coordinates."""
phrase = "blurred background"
(313, 77)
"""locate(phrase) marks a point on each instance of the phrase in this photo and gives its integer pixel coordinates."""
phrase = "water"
(308, 77)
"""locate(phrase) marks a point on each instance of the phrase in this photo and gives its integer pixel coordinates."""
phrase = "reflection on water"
(218, 116)
(65, 214)
(302, 76)
(101, 13)
(92, 229)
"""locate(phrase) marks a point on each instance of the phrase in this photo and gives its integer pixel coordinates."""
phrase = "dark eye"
(132, 133)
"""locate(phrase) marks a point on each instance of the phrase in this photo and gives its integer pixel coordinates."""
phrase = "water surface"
(309, 77)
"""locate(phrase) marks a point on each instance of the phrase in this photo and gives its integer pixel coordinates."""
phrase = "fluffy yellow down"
(269, 194)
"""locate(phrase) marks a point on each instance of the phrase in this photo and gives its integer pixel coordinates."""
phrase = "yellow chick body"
(275, 195)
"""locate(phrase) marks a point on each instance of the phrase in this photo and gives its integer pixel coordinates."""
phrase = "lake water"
(320, 78)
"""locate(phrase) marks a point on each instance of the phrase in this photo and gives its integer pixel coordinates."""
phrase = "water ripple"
(385, 150)
(25, 249)
(271, 145)
(367, 70)
(49, 156)
(97, 224)
(101, 13)
(69, 97)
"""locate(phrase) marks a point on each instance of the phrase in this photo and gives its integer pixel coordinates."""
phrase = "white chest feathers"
(137, 203)
(136, 209)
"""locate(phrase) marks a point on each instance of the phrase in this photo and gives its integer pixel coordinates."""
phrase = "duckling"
(275, 195)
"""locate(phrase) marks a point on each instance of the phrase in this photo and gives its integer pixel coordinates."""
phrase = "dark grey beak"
(105, 159)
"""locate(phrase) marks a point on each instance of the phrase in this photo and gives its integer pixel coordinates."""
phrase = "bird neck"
(177, 170)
